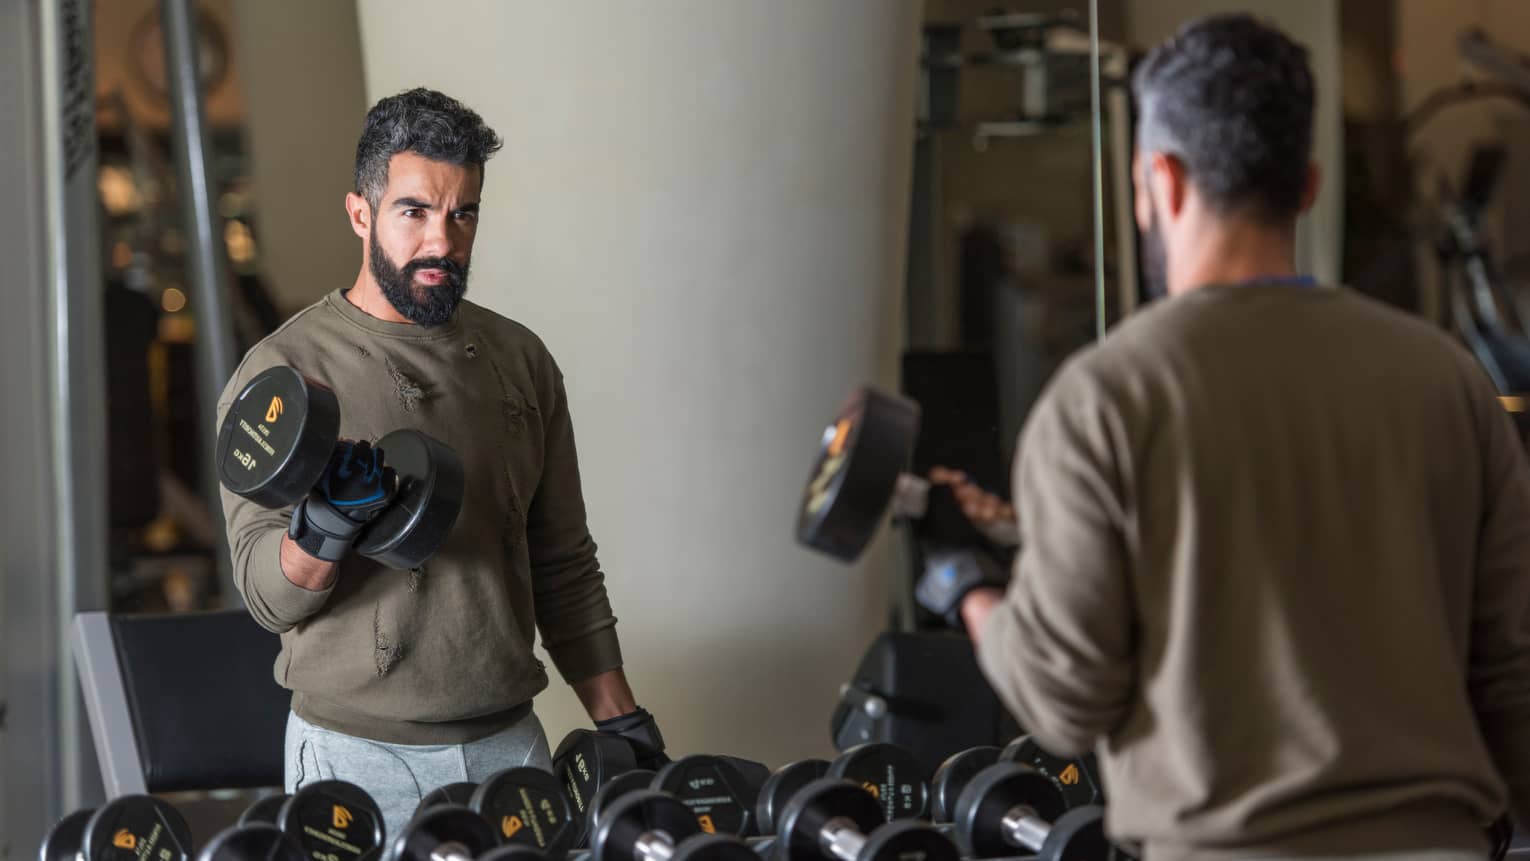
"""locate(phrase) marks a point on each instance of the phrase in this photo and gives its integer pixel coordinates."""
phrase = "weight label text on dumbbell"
(259, 440)
(244, 459)
(331, 840)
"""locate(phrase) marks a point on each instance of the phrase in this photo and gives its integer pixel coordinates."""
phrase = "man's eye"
(467, 216)
(412, 213)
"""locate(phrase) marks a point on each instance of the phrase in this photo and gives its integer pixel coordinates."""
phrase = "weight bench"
(181, 701)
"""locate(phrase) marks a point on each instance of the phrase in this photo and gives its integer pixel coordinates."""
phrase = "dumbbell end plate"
(277, 437)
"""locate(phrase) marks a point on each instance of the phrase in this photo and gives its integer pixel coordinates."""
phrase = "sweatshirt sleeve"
(572, 610)
(1499, 657)
(254, 540)
(1058, 649)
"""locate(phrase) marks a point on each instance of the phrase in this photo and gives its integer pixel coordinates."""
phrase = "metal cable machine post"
(53, 540)
(208, 271)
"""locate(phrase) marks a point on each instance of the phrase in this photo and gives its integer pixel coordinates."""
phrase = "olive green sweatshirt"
(441, 654)
(1276, 567)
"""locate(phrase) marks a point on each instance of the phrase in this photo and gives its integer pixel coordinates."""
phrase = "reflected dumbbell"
(858, 476)
(1008, 807)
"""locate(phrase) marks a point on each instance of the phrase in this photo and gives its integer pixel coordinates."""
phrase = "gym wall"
(702, 209)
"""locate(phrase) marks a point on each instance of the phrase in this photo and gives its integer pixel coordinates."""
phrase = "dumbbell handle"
(841, 838)
(1024, 828)
(654, 846)
(451, 851)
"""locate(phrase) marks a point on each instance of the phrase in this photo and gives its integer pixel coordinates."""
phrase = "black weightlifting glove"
(638, 729)
(355, 487)
(948, 578)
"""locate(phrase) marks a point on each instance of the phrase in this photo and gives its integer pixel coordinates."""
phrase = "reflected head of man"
(1224, 144)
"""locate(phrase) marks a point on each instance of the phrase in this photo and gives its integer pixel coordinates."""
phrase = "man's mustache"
(451, 268)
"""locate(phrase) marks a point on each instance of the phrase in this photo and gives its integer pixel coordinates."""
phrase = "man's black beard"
(420, 303)
(1155, 262)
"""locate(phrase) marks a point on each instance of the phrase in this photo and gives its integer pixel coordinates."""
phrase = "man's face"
(421, 240)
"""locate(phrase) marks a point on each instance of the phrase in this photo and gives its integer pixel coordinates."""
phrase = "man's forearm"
(305, 571)
(606, 696)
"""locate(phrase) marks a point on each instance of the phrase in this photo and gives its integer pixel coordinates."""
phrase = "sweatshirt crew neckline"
(337, 302)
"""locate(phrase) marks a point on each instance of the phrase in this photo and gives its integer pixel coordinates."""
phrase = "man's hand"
(976, 606)
(638, 729)
(980, 506)
(990, 515)
(950, 577)
(608, 700)
(355, 487)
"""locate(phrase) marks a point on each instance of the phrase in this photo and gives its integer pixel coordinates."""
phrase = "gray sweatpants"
(397, 776)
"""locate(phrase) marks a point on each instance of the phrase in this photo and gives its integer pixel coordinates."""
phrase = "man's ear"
(1170, 182)
(359, 212)
(1311, 186)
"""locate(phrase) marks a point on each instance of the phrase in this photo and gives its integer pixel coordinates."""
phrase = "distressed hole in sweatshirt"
(410, 393)
(387, 652)
(365, 353)
(415, 576)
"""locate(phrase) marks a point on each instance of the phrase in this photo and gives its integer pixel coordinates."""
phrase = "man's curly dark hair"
(422, 121)
(1231, 97)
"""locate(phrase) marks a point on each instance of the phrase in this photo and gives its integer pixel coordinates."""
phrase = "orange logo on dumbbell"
(510, 825)
(342, 818)
(1069, 775)
(876, 791)
(706, 823)
(274, 411)
(124, 839)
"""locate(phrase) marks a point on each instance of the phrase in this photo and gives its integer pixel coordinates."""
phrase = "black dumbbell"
(891, 774)
(277, 438)
(648, 825)
(858, 475)
(781, 786)
(134, 827)
(451, 793)
(335, 820)
(66, 838)
(527, 807)
(445, 832)
(265, 810)
(837, 820)
(585, 760)
(952, 776)
(616, 787)
(1077, 779)
(252, 841)
(715, 789)
(1008, 806)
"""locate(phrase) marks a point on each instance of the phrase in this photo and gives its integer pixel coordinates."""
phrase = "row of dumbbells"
(867, 804)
